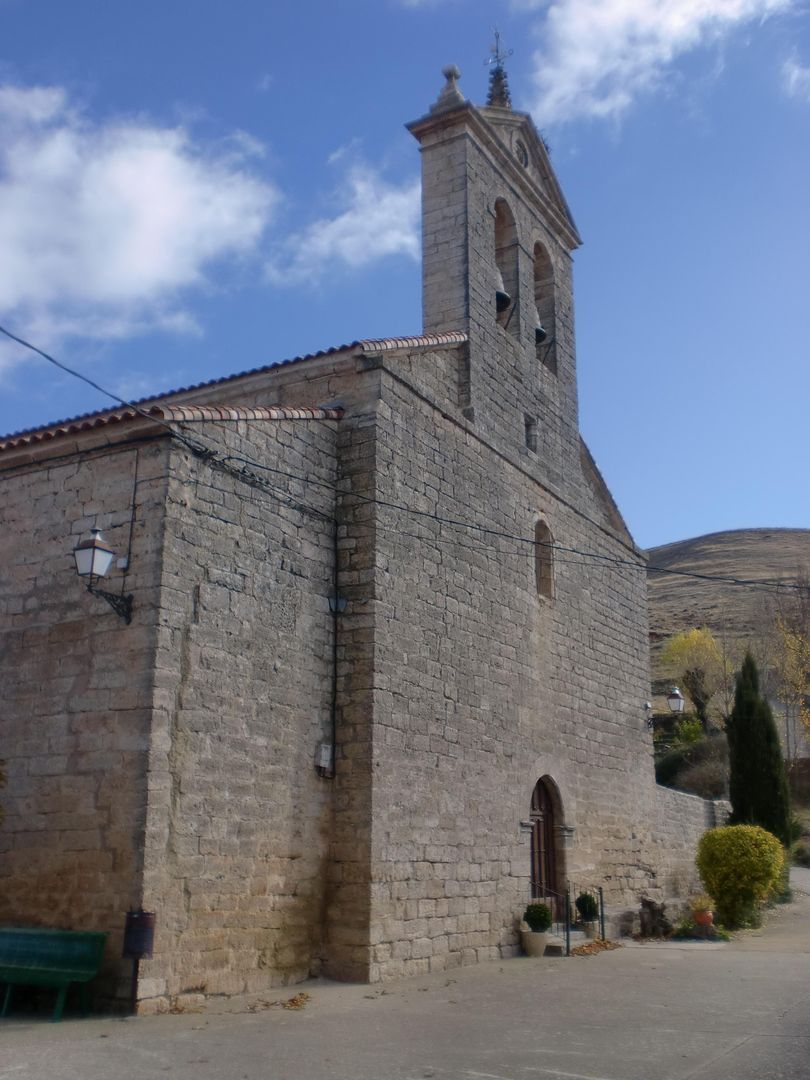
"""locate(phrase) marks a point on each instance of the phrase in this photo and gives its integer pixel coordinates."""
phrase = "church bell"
(502, 297)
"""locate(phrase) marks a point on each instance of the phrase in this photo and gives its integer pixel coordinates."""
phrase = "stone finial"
(450, 95)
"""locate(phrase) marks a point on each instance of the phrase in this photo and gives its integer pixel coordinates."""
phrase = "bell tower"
(497, 238)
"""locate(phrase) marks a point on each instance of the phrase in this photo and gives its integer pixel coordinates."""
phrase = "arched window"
(506, 263)
(543, 559)
(545, 334)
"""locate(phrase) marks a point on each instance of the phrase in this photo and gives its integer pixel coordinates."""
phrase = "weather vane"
(497, 56)
(498, 85)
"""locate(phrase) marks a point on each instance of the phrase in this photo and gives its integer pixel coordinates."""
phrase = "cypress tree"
(758, 785)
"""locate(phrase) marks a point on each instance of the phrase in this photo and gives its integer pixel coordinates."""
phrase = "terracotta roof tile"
(424, 341)
(169, 413)
(100, 418)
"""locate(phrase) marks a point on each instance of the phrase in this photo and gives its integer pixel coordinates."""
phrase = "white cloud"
(378, 219)
(104, 226)
(796, 79)
(350, 147)
(598, 56)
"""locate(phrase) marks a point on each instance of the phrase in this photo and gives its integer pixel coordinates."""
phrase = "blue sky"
(190, 190)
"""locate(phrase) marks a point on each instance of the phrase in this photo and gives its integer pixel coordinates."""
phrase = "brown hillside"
(757, 554)
(738, 615)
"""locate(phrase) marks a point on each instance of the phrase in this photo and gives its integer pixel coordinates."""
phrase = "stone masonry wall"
(680, 822)
(76, 691)
(239, 821)
(490, 687)
(462, 179)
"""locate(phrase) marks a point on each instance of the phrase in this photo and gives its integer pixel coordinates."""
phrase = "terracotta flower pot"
(703, 918)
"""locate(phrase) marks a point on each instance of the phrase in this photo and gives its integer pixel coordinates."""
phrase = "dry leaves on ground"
(299, 1001)
(593, 948)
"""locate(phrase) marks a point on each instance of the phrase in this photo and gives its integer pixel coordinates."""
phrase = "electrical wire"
(611, 560)
(213, 457)
(103, 390)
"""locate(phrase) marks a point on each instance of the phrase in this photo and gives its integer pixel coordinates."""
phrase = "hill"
(679, 603)
(738, 615)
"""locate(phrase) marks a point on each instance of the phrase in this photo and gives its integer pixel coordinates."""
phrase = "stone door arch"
(548, 850)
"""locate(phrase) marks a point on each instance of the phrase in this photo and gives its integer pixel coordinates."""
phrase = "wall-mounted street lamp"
(93, 559)
(675, 700)
(648, 713)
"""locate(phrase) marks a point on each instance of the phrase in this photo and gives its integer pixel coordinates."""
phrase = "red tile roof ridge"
(197, 413)
(422, 341)
(172, 414)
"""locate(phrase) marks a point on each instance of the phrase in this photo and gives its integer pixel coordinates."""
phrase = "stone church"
(382, 675)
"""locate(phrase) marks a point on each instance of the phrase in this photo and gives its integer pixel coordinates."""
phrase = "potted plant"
(588, 910)
(702, 908)
(537, 917)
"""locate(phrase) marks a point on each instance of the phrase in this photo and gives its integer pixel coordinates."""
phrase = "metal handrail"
(563, 904)
(597, 893)
(559, 902)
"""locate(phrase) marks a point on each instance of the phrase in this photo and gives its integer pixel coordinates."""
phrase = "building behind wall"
(484, 686)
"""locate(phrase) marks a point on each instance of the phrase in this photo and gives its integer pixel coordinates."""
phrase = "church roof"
(157, 406)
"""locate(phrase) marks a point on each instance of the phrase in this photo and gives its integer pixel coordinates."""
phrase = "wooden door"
(544, 861)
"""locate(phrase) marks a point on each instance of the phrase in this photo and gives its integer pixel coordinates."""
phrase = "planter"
(590, 930)
(703, 918)
(533, 942)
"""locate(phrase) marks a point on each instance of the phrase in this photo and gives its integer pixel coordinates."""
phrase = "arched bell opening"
(545, 337)
(506, 268)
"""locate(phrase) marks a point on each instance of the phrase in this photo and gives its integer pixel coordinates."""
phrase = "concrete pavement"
(640, 1013)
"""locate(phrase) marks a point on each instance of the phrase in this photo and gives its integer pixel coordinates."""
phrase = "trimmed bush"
(538, 917)
(587, 906)
(739, 865)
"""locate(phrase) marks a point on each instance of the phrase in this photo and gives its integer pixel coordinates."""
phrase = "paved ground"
(640, 1013)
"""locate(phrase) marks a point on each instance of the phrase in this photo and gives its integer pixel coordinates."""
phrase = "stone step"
(556, 942)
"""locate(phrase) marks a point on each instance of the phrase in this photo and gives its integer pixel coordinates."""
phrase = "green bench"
(52, 958)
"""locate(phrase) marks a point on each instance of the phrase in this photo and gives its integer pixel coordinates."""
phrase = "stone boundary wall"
(682, 819)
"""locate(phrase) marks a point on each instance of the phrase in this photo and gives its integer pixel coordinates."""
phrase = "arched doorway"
(548, 871)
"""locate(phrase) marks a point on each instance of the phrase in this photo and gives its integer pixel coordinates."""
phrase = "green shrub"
(687, 732)
(708, 778)
(782, 893)
(688, 930)
(739, 865)
(671, 763)
(587, 906)
(701, 767)
(538, 917)
(795, 829)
